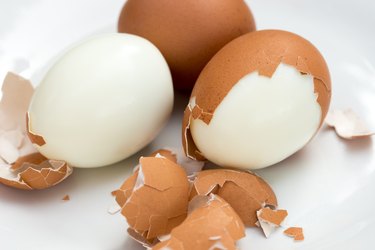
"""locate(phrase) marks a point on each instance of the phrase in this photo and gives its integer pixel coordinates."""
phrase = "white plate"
(328, 187)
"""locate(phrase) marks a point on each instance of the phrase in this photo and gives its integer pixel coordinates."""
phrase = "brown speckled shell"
(188, 32)
(260, 51)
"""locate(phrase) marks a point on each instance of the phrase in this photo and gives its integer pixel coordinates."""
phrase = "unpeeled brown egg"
(259, 100)
(188, 32)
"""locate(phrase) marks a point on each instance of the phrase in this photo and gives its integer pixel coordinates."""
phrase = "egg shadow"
(358, 145)
(364, 144)
(30, 197)
(180, 103)
(129, 243)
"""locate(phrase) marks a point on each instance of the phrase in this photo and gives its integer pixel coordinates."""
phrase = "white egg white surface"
(102, 101)
(261, 121)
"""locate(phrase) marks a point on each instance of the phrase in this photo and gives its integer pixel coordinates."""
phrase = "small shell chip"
(295, 232)
(270, 219)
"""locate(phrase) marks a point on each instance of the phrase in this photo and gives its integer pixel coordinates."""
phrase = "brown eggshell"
(178, 156)
(295, 232)
(20, 166)
(66, 198)
(34, 138)
(154, 199)
(244, 191)
(260, 51)
(34, 171)
(188, 33)
(213, 224)
(270, 219)
(168, 154)
(275, 217)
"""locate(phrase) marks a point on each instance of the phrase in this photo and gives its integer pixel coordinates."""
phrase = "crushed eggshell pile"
(168, 207)
(348, 125)
(213, 224)
(20, 165)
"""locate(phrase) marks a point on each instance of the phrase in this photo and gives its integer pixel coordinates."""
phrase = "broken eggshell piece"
(295, 232)
(20, 166)
(178, 156)
(155, 198)
(348, 125)
(244, 191)
(34, 171)
(265, 94)
(270, 219)
(212, 224)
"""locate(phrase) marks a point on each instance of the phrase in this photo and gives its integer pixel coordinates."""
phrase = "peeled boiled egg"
(102, 101)
(259, 100)
(189, 32)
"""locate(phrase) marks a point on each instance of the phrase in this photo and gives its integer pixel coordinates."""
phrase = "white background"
(328, 187)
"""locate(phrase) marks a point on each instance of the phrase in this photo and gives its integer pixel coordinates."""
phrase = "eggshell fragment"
(34, 171)
(178, 156)
(66, 198)
(34, 138)
(155, 198)
(17, 93)
(168, 154)
(189, 32)
(270, 219)
(14, 143)
(295, 232)
(213, 224)
(244, 191)
(232, 91)
(20, 166)
(348, 124)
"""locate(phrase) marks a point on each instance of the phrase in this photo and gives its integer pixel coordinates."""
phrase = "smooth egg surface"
(187, 32)
(102, 101)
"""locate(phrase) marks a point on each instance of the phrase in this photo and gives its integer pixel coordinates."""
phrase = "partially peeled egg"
(259, 100)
